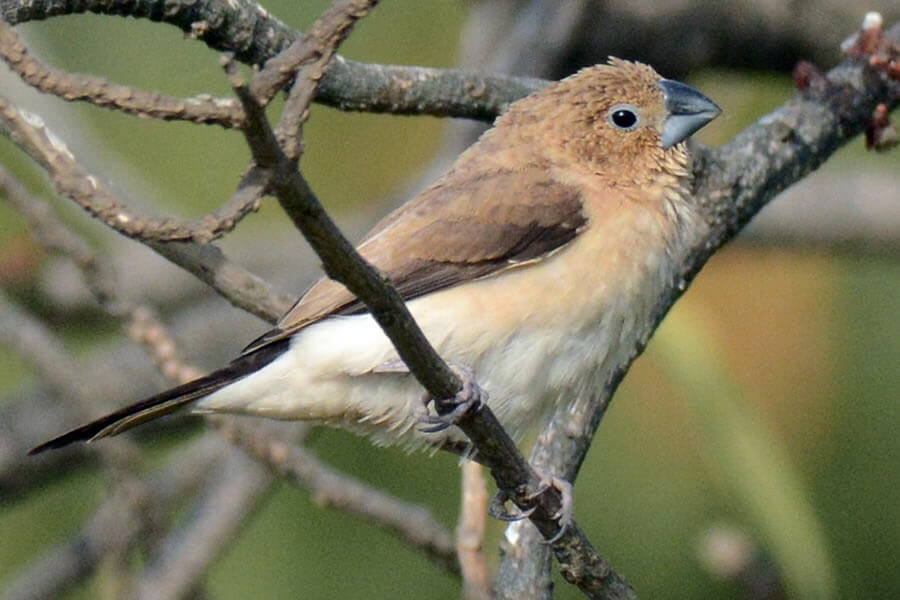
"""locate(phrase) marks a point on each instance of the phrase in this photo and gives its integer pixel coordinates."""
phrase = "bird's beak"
(689, 110)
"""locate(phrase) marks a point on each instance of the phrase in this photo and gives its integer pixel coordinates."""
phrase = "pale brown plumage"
(561, 223)
(446, 236)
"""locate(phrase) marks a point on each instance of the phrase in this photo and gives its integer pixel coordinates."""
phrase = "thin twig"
(185, 555)
(117, 525)
(236, 284)
(412, 523)
(145, 328)
(45, 353)
(322, 41)
(143, 325)
(202, 109)
(241, 288)
(77, 87)
(50, 232)
(470, 533)
(72, 180)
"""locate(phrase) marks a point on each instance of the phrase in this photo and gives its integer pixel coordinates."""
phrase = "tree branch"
(410, 522)
(184, 556)
(241, 288)
(254, 36)
(117, 524)
(470, 528)
(73, 180)
(100, 92)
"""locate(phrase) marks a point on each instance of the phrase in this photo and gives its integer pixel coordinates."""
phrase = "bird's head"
(619, 115)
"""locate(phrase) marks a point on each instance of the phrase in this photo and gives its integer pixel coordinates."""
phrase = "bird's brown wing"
(463, 227)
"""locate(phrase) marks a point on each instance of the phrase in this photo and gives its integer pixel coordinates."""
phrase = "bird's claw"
(564, 517)
(469, 399)
(497, 509)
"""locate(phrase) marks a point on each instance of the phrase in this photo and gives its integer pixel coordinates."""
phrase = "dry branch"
(206, 261)
(117, 525)
(184, 556)
(100, 92)
(72, 180)
(410, 522)
(470, 529)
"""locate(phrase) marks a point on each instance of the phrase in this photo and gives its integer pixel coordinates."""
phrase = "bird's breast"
(547, 332)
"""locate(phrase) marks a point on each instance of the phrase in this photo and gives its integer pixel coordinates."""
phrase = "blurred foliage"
(744, 457)
(807, 346)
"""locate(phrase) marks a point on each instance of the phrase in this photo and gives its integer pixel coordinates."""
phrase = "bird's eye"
(624, 117)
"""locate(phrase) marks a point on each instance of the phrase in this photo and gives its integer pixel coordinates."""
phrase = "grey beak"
(689, 110)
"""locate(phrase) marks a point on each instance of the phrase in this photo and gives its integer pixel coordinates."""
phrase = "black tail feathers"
(169, 400)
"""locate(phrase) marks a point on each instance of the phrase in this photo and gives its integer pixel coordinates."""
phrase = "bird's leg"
(469, 399)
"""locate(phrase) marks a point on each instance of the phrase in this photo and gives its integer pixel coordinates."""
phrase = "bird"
(535, 262)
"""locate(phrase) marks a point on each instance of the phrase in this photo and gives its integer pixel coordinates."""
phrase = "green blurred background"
(767, 402)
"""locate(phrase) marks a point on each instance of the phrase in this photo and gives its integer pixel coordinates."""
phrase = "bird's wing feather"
(466, 226)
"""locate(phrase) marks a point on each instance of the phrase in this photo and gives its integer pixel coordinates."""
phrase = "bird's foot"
(498, 509)
(469, 400)
(564, 517)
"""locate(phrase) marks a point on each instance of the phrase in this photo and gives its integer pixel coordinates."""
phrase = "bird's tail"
(169, 400)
